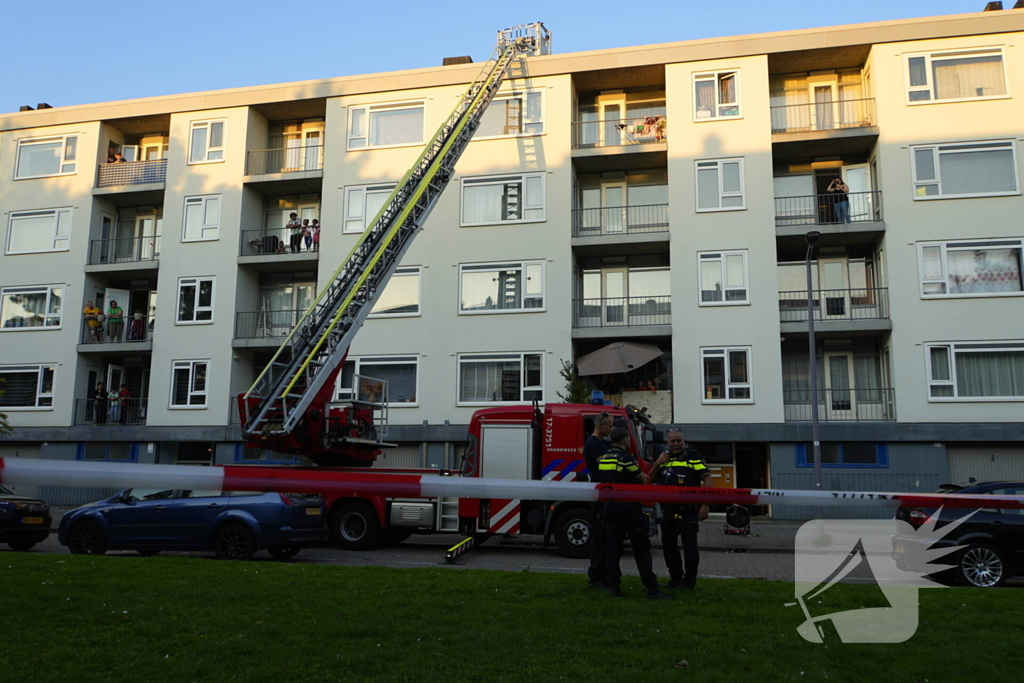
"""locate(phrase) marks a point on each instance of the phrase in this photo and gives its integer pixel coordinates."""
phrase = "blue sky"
(73, 52)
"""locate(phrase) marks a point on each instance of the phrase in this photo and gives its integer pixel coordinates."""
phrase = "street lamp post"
(812, 239)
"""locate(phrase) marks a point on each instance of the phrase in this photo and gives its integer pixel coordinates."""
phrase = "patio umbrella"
(617, 357)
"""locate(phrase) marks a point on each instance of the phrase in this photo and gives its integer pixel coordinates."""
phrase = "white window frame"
(723, 353)
(524, 121)
(44, 400)
(191, 365)
(722, 194)
(507, 265)
(216, 152)
(346, 393)
(499, 356)
(715, 77)
(64, 161)
(400, 272)
(967, 347)
(367, 110)
(720, 258)
(958, 148)
(35, 289)
(961, 245)
(195, 281)
(214, 229)
(355, 219)
(929, 86)
(61, 242)
(504, 179)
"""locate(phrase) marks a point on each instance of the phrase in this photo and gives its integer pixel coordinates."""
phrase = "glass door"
(839, 386)
(613, 212)
(313, 149)
(858, 179)
(614, 293)
(145, 233)
(610, 110)
(825, 107)
(590, 215)
(835, 288)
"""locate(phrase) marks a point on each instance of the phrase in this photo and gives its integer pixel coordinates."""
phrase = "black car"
(992, 539)
(23, 521)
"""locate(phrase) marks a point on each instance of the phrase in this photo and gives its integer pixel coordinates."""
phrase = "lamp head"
(812, 237)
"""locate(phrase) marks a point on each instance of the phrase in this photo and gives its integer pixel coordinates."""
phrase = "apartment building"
(659, 195)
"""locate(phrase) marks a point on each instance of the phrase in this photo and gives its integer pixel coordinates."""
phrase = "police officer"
(680, 466)
(618, 466)
(593, 449)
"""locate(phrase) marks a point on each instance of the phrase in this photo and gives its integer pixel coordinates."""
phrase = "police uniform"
(680, 521)
(593, 449)
(625, 519)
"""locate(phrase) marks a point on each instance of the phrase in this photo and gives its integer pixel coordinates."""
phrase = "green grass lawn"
(75, 618)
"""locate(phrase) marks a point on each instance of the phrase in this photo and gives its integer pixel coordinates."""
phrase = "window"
(516, 114)
(723, 278)
(980, 371)
(202, 218)
(968, 169)
(117, 452)
(244, 454)
(400, 373)
(716, 95)
(720, 185)
(852, 454)
(195, 300)
(363, 203)
(962, 75)
(504, 199)
(188, 383)
(41, 157)
(28, 307)
(501, 378)
(31, 232)
(206, 142)
(25, 387)
(501, 287)
(970, 268)
(726, 375)
(385, 125)
(401, 297)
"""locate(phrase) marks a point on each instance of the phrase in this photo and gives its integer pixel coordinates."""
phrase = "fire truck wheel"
(573, 533)
(355, 527)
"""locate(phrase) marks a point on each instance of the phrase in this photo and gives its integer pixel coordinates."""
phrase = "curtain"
(977, 172)
(984, 270)
(867, 378)
(990, 373)
(727, 89)
(968, 77)
(823, 108)
(396, 127)
(482, 203)
(481, 382)
(705, 96)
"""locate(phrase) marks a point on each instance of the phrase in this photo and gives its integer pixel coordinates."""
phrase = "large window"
(30, 232)
(401, 297)
(849, 454)
(965, 169)
(503, 199)
(501, 287)
(244, 454)
(113, 451)
(961, 75)
(400, 373)
(206, 142)
(202, 218)
(188, 383)
(970, 268)
(720, 185)
(726, 375)
(516, 114)
(41, 157)
(500, 378)
(979, 371)
(363, 203)
(24, 308)
(195, 300)
(385, 125)
(716, 95)
(723, 278)
(26, 387)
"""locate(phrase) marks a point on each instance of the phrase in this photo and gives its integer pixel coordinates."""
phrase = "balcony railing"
(280, 241)
(285, 160)
(130, 330)
(612, 132)
(132, 173)
(841, 405)
(122, 411)
(622, 311)
(124, 250)
(265, 324)
(832, 115)
(620, 220)
(825, 209)
(867, 303)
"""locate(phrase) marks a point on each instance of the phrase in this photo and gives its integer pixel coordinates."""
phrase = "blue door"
(191, 516)
(141, 520)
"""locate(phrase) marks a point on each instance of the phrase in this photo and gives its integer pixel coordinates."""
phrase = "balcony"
(264, 328)
(841, 405)
(616, 313)
(823, 116)
(617, 132)
(132, 173)
(124, 253)
(132, 334)
(838, 310)
(795, 214)
(275, 250)
(122, 412)
(285, 160)
(619, 220)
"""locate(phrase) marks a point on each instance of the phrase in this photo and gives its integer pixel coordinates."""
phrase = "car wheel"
(234, 542)
(573, 534)
(148, 553)
(86, 538)
(355, 527)
(982, 565)
(284, 552)
(21, 546)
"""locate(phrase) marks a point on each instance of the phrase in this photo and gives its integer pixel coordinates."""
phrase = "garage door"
(984, 462)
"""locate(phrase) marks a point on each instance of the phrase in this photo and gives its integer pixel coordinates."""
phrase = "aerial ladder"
(289, 408)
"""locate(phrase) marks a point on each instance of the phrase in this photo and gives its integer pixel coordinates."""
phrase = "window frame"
(191, 365)
(1013, 345)
(57, 237)
(64, 161)
(376, 188)
(133, 453)
(503, 179)
(40, 394)
(942, 55)
(723, 353)
(408, 272)
(524, 122)
(208, 124)
(202, 201)
(721, 257)
(805, 458)
(369, 109)
(396, 359)
(722, 194)
(196, 280)
(499, 356)
(715, 76)
(495, 266)
(971, 146)
(29, 289)
(962, 245)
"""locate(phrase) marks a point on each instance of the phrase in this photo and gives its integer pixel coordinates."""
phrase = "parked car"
(234, 525)
(993, 539)
(23, 521)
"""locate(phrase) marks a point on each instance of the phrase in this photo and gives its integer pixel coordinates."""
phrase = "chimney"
(25, 107)
(43, 105)
(993, 7)
(452, 61)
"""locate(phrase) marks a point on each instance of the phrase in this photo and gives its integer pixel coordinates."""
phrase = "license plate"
(899, 548)
(31, 520)
(313, 511)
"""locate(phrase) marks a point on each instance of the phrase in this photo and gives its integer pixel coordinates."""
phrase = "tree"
(577, 389)
(5, 426)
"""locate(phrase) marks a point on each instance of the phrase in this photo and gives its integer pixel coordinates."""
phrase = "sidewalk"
(765, 536)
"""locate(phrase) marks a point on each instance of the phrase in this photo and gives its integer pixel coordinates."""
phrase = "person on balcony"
(307, 234)
(119, 158)
(124, 397)
(92, 320)
(115, 322)
(99, 404)
(316, 234)
(114, 405)
(840, 199)
(295, 225)
(137, 328)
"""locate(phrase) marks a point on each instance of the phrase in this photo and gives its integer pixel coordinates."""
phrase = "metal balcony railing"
(825, 209)
(841, 405)
(867, 303)
(285, 160)
(132, 173)
(620, 220)
(622, 311)
(831, 115)
(612, 132)
(129, 330)
(124, 250)
(122, 411)
(280, 241)
(265, 324)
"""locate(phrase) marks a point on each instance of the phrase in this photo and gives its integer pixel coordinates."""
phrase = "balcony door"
(604, 297)
(862, 205)
(146, 233)
(825, 107)
(841, 397)
(835, 288)
(281, 306)
(304, 149)
(610, 112)
(115, 377)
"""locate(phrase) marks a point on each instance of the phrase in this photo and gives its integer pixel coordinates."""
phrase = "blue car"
(232, 524)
